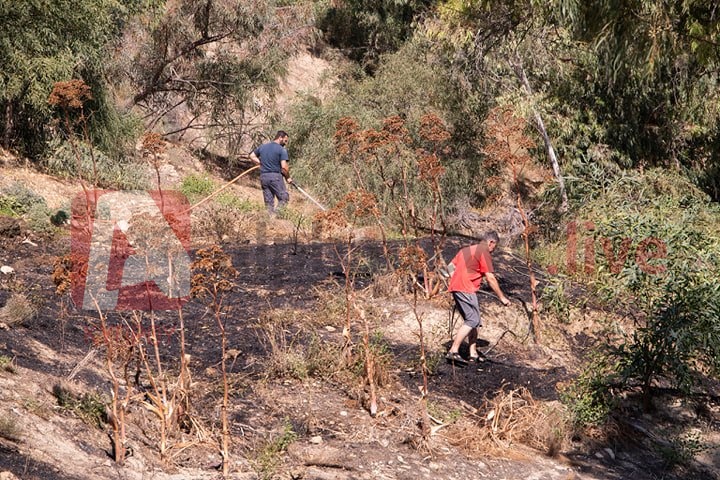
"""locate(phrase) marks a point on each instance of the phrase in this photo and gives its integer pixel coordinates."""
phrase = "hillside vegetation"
(584, 133)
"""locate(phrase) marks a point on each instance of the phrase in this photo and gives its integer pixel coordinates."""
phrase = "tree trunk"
(8, 125)
(520, 72)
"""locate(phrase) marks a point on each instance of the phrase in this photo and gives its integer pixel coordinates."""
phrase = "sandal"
(477, 359)
(456, 359)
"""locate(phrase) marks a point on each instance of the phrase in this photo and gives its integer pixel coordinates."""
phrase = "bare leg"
(462, 332)
(472, 340)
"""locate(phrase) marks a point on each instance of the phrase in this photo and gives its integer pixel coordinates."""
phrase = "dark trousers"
(273, 186)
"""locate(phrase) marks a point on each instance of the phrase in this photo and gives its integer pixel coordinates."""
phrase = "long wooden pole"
(221, 188)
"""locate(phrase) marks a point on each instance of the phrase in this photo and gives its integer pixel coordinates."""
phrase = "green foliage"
(42, 43)
(444, 414)
(89, 407)
(409, 74)
(196, 187)
(7, 364)
(554, 298)
(367, 30)
(657, 242)
(683, 449)
(95, 167)
(269, 456)
(18, 200)
(588, 397)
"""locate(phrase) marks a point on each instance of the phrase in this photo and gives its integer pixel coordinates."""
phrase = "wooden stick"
(221, 189)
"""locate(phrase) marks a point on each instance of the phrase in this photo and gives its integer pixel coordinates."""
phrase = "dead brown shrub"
(513, 417)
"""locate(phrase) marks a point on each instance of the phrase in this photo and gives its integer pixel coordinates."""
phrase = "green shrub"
(241, 205)
(7, 364)
(682, 449)
(555, 300)
(95, 167)
(588, 397)
(676, 293)
(89, 407)
(269, 456)
(196, 187)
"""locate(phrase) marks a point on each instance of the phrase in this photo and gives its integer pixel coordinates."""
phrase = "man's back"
(271, 155)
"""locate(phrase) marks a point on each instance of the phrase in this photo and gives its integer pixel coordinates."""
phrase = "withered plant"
(70, 97)
(353, 208)
(119, 345)
(430, 172)
(413, 260)
(356, 146)
(153, 146)
(508, 145)
(61, 277)
(213, 279)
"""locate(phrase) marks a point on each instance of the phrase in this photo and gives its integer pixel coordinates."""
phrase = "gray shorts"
(467, 305)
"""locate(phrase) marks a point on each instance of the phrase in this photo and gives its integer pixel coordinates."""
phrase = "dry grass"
(513, 417)
(9, 429)
(17, 310)
(294, 350)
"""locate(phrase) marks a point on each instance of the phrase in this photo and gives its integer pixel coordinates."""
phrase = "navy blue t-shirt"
(270, 155)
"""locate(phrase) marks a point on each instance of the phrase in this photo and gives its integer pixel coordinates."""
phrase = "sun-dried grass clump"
(513, 417)
(17, 310)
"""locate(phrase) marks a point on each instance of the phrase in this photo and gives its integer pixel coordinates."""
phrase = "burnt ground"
(295, 410)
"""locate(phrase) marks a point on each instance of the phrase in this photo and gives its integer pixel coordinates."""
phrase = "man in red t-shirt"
(472, 264)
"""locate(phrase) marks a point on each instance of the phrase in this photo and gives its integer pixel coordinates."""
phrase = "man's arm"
(492, 281)
(285, 170)
(254, 158)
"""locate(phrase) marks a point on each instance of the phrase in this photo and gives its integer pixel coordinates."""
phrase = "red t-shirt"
(471, 264)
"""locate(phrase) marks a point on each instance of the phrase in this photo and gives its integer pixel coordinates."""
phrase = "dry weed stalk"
(70, 97)
(117, 345)
(213, 280)
(430, 173)
(352, 143)
(355, 206)
(509, 146)
(152, 147)
(61, 277)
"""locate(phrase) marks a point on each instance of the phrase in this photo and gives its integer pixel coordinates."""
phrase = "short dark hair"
(280, 134)
(490, 236)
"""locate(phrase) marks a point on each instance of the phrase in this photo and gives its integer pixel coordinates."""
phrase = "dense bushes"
(649, 244)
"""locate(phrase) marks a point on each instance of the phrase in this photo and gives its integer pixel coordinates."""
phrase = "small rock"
(7, 476)
(330, 328)
(343, 413)
(610, 453)
(599, 455)
(317, 440)
(7, 269)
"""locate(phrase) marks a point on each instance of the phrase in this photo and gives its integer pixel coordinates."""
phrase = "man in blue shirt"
(273, 160)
